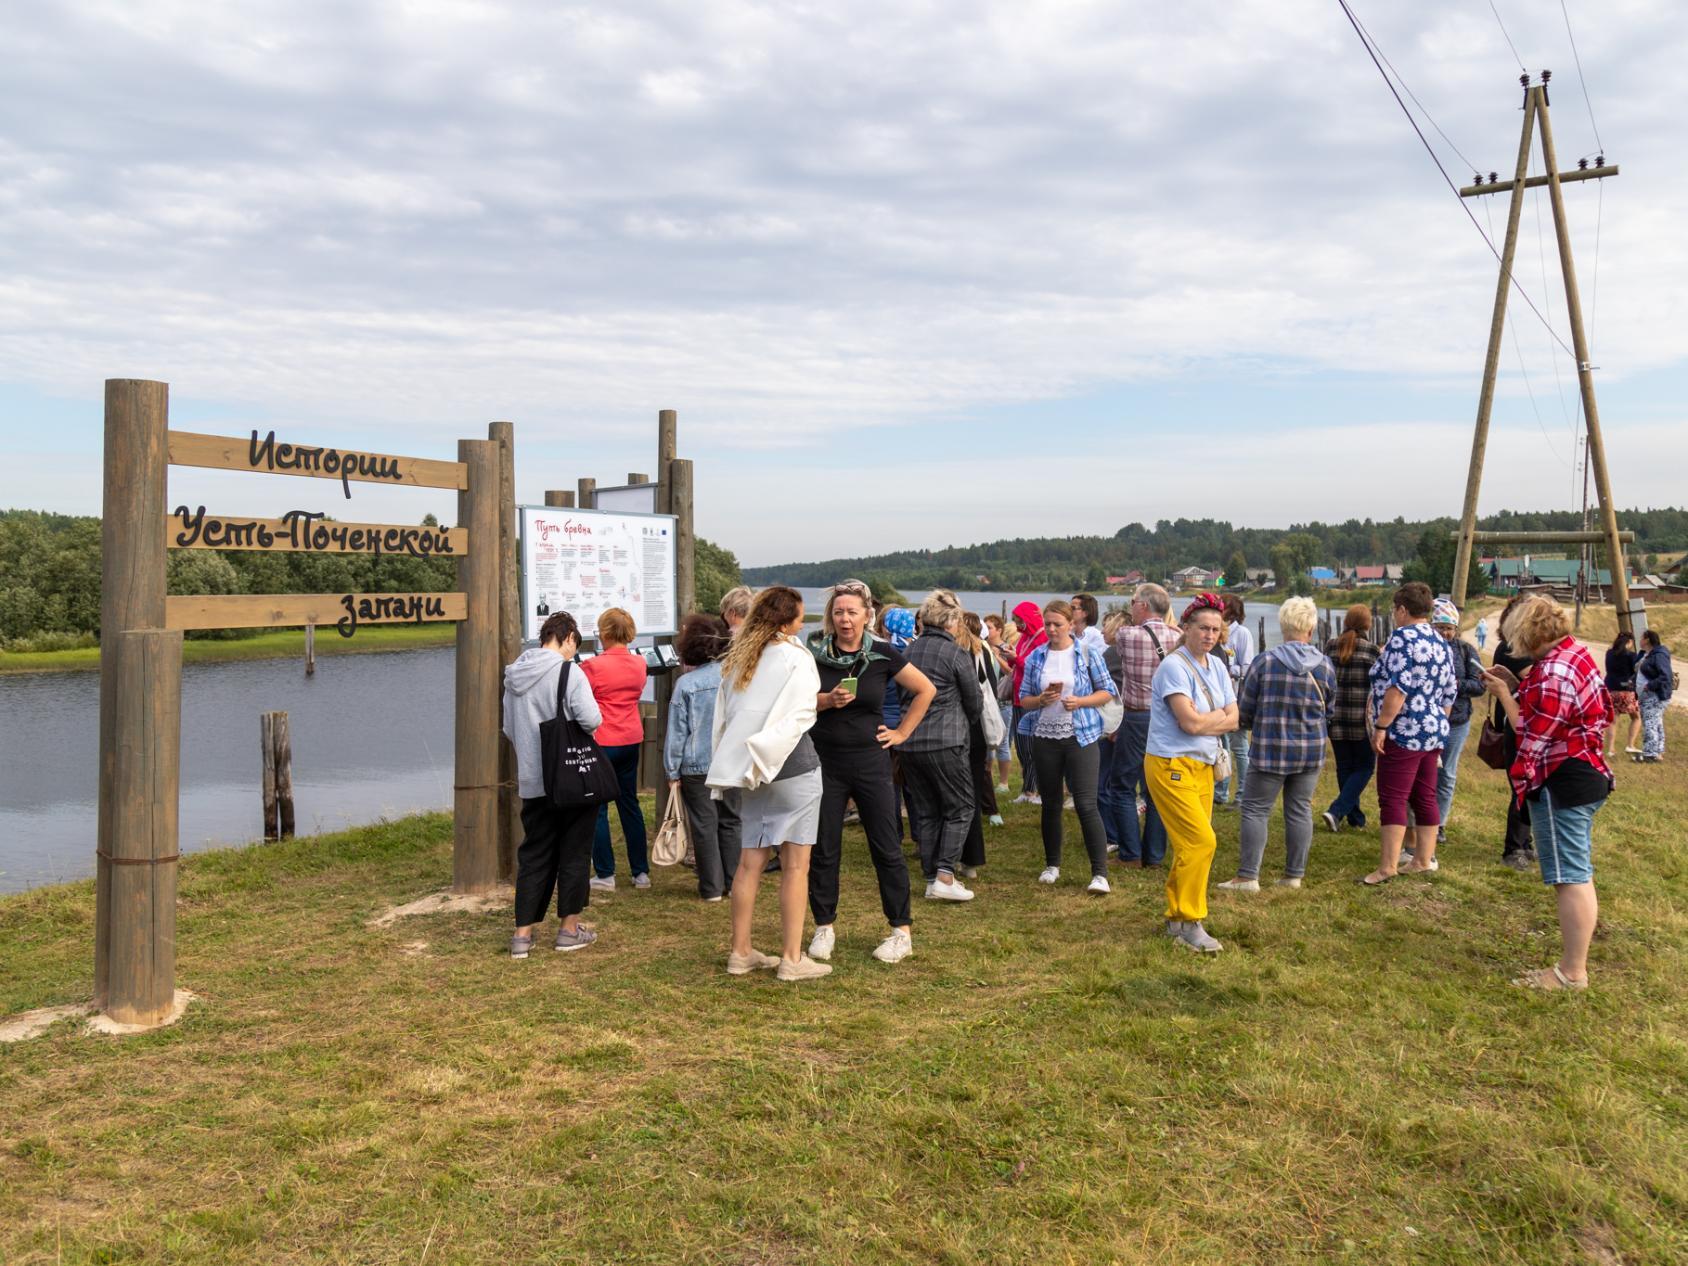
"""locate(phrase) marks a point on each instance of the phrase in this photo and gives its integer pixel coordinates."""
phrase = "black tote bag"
(576, 770)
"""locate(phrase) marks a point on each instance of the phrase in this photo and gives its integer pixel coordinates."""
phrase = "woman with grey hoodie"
(1287, 700)
(556, 851)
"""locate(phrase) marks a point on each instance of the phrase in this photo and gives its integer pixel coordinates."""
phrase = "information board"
(586, 561)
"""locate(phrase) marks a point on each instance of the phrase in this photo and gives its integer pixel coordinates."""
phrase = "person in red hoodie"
(617, 677)
(1029, 620)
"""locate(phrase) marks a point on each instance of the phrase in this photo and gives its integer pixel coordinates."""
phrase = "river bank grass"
(277, 644)
(1046, 1080)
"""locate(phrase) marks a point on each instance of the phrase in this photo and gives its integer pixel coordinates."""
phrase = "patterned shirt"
(1564, 710)
(957, 704)
(1287, 700)
(1138, 660)
(1419, 664)
(1090, 674)
(1353, 689)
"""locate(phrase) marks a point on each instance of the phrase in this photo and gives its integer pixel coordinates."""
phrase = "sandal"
(1549, 978)
(1368, 882)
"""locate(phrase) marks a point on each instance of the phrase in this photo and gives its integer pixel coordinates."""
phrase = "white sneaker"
(602, 883)
(952, 891)
(1098, 885)
(1002, 786)
(756, 960)
(1034, 799)
(804, 968)
(995, 819)
(820, 945)
(1067, 803)
(967, 872)
(641, 881)
(1241, 885)
(896, 947)
(1022, 798)
(1289, 881)
(1050, 875)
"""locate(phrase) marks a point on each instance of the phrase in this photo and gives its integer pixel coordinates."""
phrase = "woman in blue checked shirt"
(1065, 682)
(1288, 700)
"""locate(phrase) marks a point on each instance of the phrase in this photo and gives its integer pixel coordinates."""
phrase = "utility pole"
(1536, 111)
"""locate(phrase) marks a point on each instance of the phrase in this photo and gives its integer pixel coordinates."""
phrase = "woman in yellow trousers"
(1192, 706)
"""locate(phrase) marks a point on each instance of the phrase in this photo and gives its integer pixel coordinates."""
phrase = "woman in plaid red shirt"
(1561, 712)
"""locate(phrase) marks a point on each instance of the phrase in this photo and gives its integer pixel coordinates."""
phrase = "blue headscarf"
(899, 624)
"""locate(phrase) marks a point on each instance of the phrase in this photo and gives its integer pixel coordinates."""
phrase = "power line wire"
(1407, 88)
(1506, 37)
(1429, 149)
(1577, 57)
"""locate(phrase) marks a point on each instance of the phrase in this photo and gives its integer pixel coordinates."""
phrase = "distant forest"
(1071, 562)
(50, 576)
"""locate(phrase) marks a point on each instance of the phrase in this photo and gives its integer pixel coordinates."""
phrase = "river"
(372, 738)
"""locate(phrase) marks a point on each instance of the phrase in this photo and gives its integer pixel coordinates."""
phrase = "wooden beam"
(1537, 182)
(474, 852)
(1545, 538)
(132, 587)
(268, 455)
(301, 532)
(345, 612)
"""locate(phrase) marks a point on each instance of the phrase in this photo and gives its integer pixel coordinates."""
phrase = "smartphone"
(1060, 687)
(849, 683)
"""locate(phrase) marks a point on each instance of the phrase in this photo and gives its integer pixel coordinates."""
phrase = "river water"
(372, 738)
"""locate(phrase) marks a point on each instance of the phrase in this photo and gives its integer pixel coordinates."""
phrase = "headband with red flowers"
(1202, 602)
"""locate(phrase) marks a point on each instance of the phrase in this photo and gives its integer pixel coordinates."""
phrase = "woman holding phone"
(1063, 685)
(856, 672)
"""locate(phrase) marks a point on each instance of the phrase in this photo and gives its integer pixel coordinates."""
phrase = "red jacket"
(617, 676)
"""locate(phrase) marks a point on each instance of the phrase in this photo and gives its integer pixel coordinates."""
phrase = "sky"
(913, 274)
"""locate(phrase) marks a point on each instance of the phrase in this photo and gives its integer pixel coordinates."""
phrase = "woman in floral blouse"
(1413, 687)
(1561, 712)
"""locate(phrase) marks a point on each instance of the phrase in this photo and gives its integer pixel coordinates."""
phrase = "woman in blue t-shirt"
(1192, 706)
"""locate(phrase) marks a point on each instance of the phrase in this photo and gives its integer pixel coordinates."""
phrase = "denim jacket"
(691, 719)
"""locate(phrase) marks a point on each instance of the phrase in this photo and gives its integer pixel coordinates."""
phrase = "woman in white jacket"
(763, 757)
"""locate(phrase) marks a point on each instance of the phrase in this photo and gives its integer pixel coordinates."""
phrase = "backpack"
(576, 770)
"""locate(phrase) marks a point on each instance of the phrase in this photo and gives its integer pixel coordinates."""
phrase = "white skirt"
(783, 812)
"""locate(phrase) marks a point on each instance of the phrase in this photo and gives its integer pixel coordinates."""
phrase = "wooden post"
(637, 480)
(1261, 644)
(667, 449)
(266, 754)
(310, 650)
(685, 536)
(588, 494)
(474, 862)
(132, 558)
(283, 739)
(1585, 376)
(667, 446)
(509, 641)
(557, 497)
(1491, 362)
(142, 836)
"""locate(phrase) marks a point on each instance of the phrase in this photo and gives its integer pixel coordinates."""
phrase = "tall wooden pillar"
(474, 862)
(667, 445)
(132, 587)
(509, 640)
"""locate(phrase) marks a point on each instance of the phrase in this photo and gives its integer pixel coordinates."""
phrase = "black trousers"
(1064, 761)
(716, 832)
(865, 777)
(984, 797)
(1023, 749)
(555, 855)
(939, 789)
(1519, 838)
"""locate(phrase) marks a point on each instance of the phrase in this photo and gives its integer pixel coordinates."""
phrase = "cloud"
(393, 221)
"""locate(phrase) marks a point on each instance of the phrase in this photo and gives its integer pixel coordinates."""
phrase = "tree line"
(1085, 562)
(50, 576)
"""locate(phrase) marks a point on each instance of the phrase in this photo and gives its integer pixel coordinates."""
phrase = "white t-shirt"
(1054, 721)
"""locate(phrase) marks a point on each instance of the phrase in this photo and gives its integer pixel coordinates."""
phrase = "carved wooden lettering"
(301, 531)
(346, 611)
(267, 454)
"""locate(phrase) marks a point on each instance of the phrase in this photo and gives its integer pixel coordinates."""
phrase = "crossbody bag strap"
(1200, 681)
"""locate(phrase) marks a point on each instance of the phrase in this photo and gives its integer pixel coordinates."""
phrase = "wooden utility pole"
(1536, 110)
(1491, 362)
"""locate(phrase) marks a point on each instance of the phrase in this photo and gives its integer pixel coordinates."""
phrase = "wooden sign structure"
(141, 631)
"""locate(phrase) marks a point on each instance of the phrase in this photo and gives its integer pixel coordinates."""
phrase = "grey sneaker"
(1194, 937)
(580, 938)
(641, 880)
(1173, 928)
(520, 945)
(602, 883)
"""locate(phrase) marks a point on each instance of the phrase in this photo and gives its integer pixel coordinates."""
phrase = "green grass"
(279, 644)
(1047, 1080)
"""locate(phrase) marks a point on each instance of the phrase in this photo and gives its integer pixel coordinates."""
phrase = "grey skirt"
(784, 812)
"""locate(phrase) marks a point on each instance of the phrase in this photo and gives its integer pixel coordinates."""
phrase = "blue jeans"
(625, 761)
(1448, 774)
(1652, 723)
(1564, 840)
(1355, 761)
(1231, 790)
(1104, 796)
(1145, 843)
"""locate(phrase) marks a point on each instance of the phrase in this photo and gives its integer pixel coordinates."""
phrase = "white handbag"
(674, 836)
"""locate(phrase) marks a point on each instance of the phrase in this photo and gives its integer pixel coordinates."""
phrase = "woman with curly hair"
(761, 753)
(1560, 711)
(1192, 707)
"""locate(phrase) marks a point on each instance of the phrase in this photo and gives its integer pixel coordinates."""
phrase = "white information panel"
(586, 561)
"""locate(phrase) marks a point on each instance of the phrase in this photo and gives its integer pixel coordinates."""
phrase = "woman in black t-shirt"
(856, 671)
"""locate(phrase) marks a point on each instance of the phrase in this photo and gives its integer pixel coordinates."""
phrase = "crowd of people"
(1142, 726)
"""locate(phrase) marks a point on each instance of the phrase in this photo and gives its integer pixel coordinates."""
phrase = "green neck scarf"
(824, 647)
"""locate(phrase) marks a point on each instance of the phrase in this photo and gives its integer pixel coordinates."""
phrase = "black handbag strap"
(563, 688)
